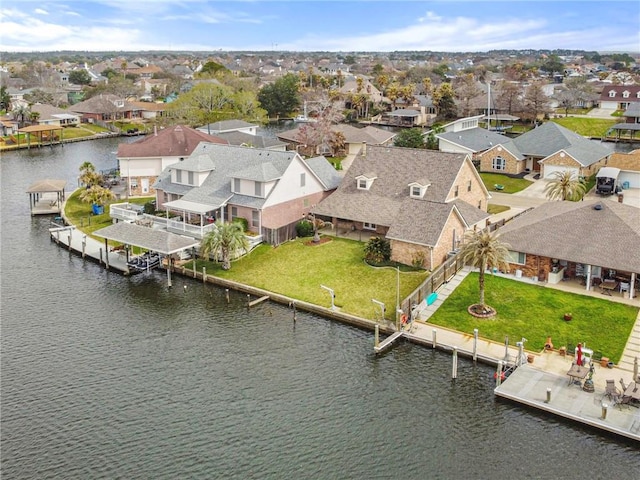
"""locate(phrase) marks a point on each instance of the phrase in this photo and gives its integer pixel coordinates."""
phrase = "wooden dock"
(530, 386)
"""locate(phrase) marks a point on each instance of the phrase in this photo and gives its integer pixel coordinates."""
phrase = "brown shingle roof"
(168, 142)
(577, 232)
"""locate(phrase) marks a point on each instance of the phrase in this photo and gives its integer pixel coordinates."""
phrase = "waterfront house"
(105, 108)
(466, 137)
(629, 165)
(271, 190)
(546, 149)
(50, 115)
(422, 201)
(619, 97)
(141, 162)
(590, 241)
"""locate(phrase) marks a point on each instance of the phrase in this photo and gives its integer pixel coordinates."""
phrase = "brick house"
(565, 240)
(422, 201)
(546, 149)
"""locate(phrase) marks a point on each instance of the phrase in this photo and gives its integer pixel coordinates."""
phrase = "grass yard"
(80, 214)
(492, 209)
(511, 185)
(535, 313)
(297, 270)
(588, 127)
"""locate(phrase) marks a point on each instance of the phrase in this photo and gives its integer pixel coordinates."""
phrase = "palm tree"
(484, 250)
(88, 175)
(565, 185)
(224, 241)
(96, 195)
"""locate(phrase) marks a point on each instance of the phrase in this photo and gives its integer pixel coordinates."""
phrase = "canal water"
(105, 376)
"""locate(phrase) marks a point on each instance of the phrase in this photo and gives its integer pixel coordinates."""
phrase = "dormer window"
(612, 93)
(364, 182)
(625, 94)
(418, 189)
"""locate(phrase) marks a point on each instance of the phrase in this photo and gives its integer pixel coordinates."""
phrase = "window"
(625, 94)
(362, 184)
(469, 186)
(517, 257)
(255, 218)
(369, 226)
(303, 179)
(234, 213)
(416, 191)
(455, 191)
(178, 176)
(498, 163)
(236, 185)
(190, 176)
(258, 189)
(480, 204)
(612, 93)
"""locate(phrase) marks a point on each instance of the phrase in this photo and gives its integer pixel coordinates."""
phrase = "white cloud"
(40, 11)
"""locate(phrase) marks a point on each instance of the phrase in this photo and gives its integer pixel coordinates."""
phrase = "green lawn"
(589, 127)
(297, 270)
(511, 185)
(492, 209)
(81, 215)
(535, 313)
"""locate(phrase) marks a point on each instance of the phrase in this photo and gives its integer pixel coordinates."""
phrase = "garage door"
(549, 170)
(632, 177)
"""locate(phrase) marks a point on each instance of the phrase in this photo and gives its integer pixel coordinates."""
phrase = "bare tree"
(509, 97)
(467, 90)
(536, 101)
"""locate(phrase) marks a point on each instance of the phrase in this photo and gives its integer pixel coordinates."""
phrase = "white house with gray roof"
(272, 190)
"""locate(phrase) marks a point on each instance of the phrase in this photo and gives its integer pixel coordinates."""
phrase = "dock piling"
(204, 274)
(475, 344)
(605, 407)
(454, 368)
(226, 294)
(433, 343)
(69, 240)
(376, 341)
(499, 374)
(548, 400)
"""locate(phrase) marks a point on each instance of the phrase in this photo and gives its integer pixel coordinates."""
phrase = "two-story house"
(141, 162)
(619, 97)
(272, 190)
(422, 201)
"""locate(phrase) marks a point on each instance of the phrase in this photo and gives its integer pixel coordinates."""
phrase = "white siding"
(288, 188)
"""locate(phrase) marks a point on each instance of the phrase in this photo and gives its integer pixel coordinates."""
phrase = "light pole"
(333, 296)
(381, 305)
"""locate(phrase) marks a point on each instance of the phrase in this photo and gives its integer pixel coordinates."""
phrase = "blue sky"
(307, 25)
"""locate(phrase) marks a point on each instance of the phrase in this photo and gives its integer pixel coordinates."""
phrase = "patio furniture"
(607, 286)
(624, 287)
(498, 186)
(577, 373)
(611, 391)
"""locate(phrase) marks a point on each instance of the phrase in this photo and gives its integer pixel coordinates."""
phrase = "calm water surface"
(104, 376)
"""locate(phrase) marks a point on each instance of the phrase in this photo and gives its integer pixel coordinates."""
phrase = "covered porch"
(194, 219)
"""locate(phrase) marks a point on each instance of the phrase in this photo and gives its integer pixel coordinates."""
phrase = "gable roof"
(247, 139)
(474, 139)
(227, 126)
(550, 138)
(387, 202)
(351, 134)
(168, 142)
(573, 231)
(103, 103)
(227, 162)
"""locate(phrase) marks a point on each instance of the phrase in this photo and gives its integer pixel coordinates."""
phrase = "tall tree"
(79, 77)
(410, 138)
(565, 185)
(444, 100)
(96, 195)
(536, 101)
(467, 90)
(281, 97)
(223, 242)
(484, 250)
(5, 99)
(509, 97)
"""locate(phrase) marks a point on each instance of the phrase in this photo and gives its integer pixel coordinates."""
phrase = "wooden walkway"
(388, 342)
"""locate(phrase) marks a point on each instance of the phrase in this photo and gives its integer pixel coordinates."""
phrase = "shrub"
(150, 208)
(243, 221)
(418, 259)
(377, 250)
(304, 228)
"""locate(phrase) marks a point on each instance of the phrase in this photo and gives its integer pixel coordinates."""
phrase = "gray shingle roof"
(328, 175)
(246, 139)
(577, 232)
(474, 139)
(550, 138)
(145, 237)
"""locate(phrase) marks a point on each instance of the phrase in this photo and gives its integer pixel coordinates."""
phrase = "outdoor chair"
(624, 287)
(624, 400)
(611, 391)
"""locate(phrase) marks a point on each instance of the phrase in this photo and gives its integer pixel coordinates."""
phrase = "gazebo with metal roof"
(159, 241)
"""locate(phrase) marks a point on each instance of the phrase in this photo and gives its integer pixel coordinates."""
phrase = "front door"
(145, 185)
